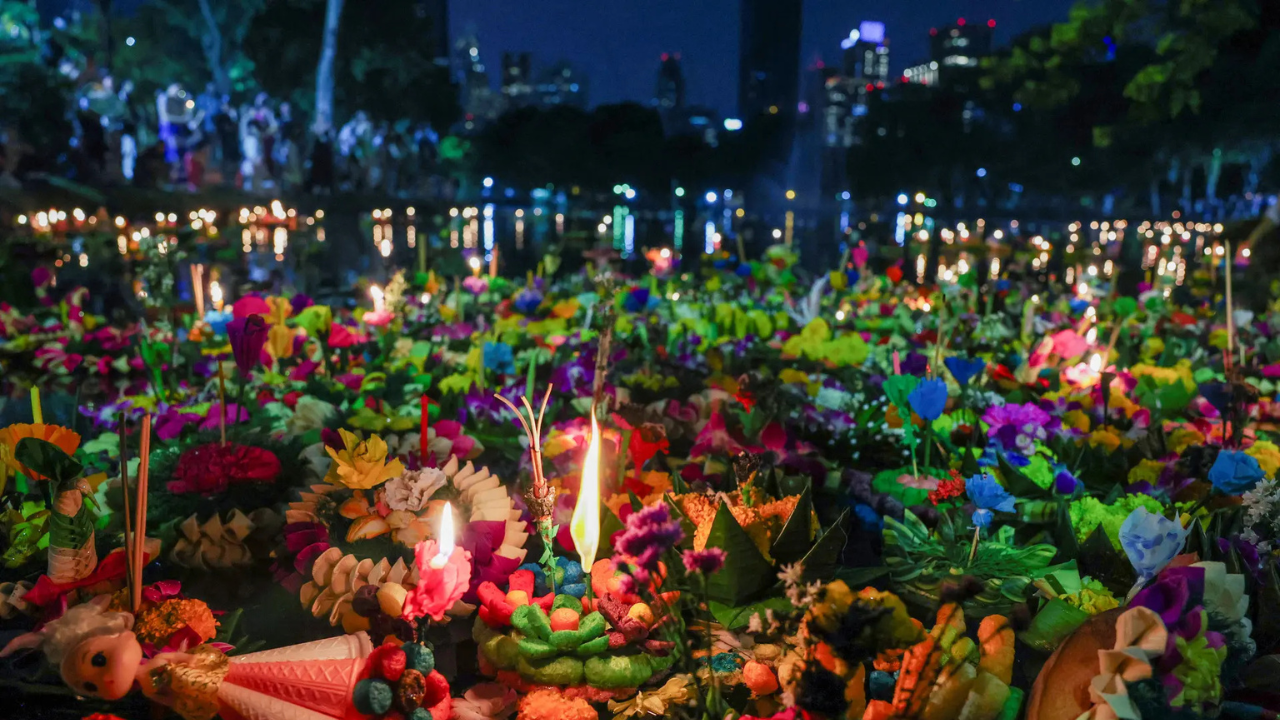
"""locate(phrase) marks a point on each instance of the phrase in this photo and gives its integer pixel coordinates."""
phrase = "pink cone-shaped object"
(343, 647)
(250, 705)
(323, 686)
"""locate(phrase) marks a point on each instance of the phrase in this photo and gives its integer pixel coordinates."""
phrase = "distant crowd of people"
(192, 141)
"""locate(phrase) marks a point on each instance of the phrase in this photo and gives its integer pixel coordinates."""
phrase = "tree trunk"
(324, 72)
(212, 43)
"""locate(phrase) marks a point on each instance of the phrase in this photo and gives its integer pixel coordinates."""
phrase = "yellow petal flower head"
(281, 309)
(280, 341)
(361, 464)
(65, 439)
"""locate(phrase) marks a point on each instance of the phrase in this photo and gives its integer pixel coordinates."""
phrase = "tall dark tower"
(669, 92)
(438, 11)
(769, 57)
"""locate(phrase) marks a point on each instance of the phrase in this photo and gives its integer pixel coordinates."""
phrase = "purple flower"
(247, 335)
(704, 561)
(650, 533)
(1017, 427)
(1167, 597)
(1065, 482)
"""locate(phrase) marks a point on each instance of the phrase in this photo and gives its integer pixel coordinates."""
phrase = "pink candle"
(422, 441)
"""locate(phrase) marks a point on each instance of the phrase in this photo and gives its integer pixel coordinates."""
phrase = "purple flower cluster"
(1016, 428)
(650, 532)
(1177, 596)
(706, 561)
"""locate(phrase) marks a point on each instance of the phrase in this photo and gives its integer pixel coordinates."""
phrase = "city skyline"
(618, 45)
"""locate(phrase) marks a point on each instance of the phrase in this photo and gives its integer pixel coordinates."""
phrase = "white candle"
(445, 540)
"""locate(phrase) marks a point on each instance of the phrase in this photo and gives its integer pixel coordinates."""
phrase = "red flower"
(438, 588)
(894, 273)
(208, 469)
(646, 441)
(948, 489)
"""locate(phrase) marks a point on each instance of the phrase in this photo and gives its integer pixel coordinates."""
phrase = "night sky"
(617, 42)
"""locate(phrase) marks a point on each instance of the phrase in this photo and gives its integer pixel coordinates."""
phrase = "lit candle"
(215, 294)
(475, 265)
(446, 539)
(379, 301)
(493, 263)
(197, 287)
(585, 525)
(36, 411)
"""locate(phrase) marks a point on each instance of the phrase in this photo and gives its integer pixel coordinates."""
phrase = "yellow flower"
(280, 341)
(791, 375)
(1077, 420)
(1146, 470)
(361, 464)
(1267, 454)
(1105, 438)
(1183, 438)
(281, 309)
(1152, 347)
(447, 312)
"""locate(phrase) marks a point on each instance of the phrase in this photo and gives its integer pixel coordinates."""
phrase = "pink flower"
(438, 588)
(715, 437)
(340, 336)
(251, 305)
(378, 318)
(1069, 344)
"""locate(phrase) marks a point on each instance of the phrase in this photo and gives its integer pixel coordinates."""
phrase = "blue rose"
(1151, 541)
(929, 399)
(964, 369)
(1235, 473)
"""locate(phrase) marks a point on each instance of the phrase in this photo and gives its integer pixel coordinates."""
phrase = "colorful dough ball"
(419, 657)
(372, 697)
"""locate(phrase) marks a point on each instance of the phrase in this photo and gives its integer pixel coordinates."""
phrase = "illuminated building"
(769, 57)
(958, 49)
(479, 102)
(561, 84)
(517, 79)
(669, 93)
(922, 74)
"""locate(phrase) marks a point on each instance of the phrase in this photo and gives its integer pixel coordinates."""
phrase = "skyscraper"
(958, 49)
(769, 57)
(517, 79)
(669, 93)
(438, 11)
(561, 84)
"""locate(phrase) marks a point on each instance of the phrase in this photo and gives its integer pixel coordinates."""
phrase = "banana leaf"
(746, 571)
(793, 542)
(1055, 621)
(48, 460)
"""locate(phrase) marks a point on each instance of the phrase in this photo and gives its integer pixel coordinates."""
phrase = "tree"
(324, 72)
(383, 66)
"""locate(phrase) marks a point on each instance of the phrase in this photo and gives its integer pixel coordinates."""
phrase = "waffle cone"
(249, 705)
(323, 686)
(344, 647)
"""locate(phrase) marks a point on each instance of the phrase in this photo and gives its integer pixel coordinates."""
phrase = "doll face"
(103, 666)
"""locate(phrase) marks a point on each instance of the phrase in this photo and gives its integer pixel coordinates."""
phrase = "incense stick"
(140, 534)
(128, 523)
(1229, 357)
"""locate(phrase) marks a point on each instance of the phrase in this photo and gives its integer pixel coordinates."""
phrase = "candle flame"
(585, 526)
(215, 293)
(446, 533)
(378, 296)
(1095, 363)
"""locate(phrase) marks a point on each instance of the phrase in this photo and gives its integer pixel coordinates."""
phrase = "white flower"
(832, 399)
(413, 489)
(309, 414)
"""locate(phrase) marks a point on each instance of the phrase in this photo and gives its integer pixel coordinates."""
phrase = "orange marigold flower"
(65, 439)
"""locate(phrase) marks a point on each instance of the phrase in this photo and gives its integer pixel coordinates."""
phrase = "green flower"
(1088, 513)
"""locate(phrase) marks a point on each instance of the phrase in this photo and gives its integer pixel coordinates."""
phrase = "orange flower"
(65, 439)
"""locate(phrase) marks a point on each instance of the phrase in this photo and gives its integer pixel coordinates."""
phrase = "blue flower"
(527, 301)
(1151, 541)
(637, 300)
(1065, 482)
(929, 399)
(1078, 305)
(1002, 285)
(498, 358)
(854, 276)
(743, 271)
(963, 369)
(869, 517)
(1235, 473)
(989, 496)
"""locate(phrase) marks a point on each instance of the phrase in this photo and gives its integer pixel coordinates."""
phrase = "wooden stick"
(140, 535)
(1229, 357)
(222, 404)
(128, 524)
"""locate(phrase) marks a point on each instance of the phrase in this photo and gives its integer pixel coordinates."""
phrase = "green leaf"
(746, 572)
(826, 551)
(793, 542)
(734, 617)
(1018, 483)
(1055, 621)
(47, 460)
